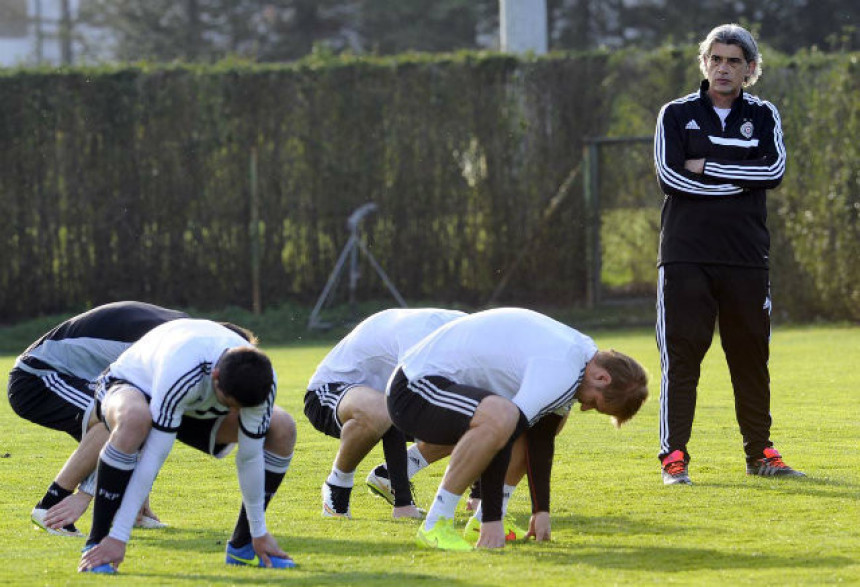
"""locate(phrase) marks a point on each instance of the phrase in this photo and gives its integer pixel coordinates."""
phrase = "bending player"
(481, 381)
(51, 385)
(345, 400)
(203, 383)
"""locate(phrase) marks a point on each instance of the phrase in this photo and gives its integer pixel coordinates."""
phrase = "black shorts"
(321, 407)
(53, 400)
(198, 433)
(434, 409)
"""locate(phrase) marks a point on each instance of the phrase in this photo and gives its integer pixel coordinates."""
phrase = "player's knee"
(370, 416)
(377, 419)
(282, 432)
(131, 425)
(363, 425)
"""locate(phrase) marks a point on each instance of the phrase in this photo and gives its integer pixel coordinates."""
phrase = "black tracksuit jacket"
(717, 217)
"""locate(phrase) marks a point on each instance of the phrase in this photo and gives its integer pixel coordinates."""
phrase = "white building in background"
(523, 26)
(32, 33)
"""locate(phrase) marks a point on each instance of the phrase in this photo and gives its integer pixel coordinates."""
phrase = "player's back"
(167, 351)
(86, 344)
(493, 348)
(369, 353)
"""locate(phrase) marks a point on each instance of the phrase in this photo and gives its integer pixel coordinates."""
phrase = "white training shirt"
(172, 365)
(367, 355)
(522, 355)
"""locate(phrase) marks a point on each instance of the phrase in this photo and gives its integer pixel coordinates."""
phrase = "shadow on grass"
(210, 543)
(804, 486)
(676, 559)
(614, 526)
(214, 541)
(297, 577)
(312, 554)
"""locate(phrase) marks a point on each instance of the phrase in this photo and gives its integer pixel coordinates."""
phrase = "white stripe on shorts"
(443, 399)
(71, 395)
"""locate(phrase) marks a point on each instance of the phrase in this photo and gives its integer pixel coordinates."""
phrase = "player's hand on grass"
(407, 511)
(492, 535)
(68, 510)
(539, 527)
(266, 546)
(108, 551)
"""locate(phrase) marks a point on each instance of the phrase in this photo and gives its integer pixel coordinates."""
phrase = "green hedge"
(134, 182)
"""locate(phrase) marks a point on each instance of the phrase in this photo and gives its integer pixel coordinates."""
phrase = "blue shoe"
(105, 569)
(246, 556)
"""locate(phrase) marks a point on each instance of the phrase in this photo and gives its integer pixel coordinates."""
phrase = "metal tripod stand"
(350, 251)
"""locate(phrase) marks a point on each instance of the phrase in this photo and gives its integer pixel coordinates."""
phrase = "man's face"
(591, 398)
(727, 69)
(590, 392)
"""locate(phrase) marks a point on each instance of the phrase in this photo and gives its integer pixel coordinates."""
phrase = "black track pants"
(691, 299)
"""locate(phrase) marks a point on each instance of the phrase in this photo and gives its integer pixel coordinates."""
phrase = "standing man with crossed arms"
(716, 152)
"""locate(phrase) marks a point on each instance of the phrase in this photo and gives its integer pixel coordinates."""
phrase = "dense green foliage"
(613, 521)
(136, 182)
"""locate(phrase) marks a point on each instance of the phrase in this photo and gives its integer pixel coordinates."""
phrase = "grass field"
(613, 520)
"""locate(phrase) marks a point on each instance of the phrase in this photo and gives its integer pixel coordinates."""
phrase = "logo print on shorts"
(747, 129)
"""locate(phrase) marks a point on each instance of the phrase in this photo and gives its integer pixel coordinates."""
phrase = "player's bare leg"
(490, 429)
(364, 419)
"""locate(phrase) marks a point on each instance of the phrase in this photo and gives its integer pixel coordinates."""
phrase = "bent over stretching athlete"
(208, 386)
(52, 385)
(479, 382)
(346, 400)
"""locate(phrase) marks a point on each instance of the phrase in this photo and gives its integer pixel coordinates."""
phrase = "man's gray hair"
(732, 34)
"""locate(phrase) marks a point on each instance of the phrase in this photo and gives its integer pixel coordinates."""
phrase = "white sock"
(507, 492)
(415, 461)
(444, 506)
(341, 479)
(276, 463)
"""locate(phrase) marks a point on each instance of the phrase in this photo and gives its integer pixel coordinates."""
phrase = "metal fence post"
(254, 234)
(590, 187)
